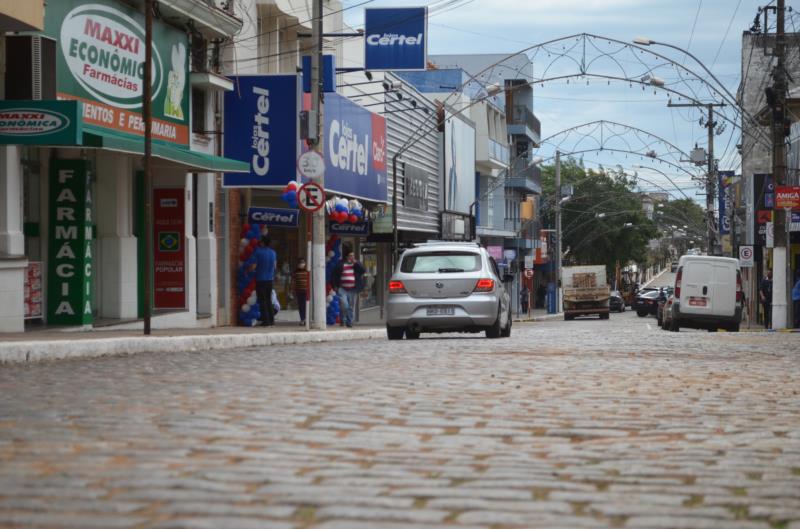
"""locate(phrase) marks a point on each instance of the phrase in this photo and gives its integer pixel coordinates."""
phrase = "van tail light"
(484, 285)
(397, 287)
(739, 293)
(678, 278)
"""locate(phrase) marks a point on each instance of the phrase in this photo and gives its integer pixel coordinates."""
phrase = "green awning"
(190, 160)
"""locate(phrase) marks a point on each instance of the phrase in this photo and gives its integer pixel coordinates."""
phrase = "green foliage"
(603, 222)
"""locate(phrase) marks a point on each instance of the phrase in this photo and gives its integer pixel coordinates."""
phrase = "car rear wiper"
(450, 270)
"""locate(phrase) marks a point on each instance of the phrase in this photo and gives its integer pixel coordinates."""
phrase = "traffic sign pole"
(319, 293)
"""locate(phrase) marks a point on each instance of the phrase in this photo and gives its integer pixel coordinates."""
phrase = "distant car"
(448, 287)
(673, 266)
(665, 313)
(664, 302)
(646, 303)
(615, 302)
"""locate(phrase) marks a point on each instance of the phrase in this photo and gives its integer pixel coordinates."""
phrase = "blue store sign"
(287, 218)
(355, 150)
(396, 38)
(359, 229)
(261, 122)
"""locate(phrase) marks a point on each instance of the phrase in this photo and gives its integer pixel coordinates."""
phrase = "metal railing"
(522, 115)
(498, 151)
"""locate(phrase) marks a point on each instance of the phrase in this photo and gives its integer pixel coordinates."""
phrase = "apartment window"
(198, 111)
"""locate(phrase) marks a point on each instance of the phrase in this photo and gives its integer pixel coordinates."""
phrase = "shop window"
(198, 111)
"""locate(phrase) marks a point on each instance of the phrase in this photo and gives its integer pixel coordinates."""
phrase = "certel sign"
(273, 217)
(102, 63)
(261, 129)
(396, 38)
(69, 274)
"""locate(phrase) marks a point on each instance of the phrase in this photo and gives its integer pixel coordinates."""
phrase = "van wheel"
(394, 333)
(734, 328)
(412, 335)
(673, 326)
(641, 313)
(604, 315)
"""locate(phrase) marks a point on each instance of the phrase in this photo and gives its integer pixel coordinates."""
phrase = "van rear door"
(723, 289)
(696, 288)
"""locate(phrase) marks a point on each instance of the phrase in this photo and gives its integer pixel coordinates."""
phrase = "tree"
(603, 222)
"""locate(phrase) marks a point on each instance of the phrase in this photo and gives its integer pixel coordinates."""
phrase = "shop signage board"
(261, 124)
(169, 254)
(396, 38)
(725, 201)
(415, 193)
(795, 223)
(787, 197)
(40, 122)
(101, 63)
(459, 163)
(746, 256)
(355, 150)
(496, 252)
(69, 270)
(764, 194)
(359, 229)
(280, 217)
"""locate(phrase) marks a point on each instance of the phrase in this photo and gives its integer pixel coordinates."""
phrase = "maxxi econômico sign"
(396, 38)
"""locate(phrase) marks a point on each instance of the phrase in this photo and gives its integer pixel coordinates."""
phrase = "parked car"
(665, 313)
(448, 287)
(663, 302)
(615, 302)
(708, 294)
(646, 303)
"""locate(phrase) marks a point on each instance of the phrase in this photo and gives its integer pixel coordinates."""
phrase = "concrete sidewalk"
(55, 344)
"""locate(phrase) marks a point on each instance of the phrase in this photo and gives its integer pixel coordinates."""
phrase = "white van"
(708, 294)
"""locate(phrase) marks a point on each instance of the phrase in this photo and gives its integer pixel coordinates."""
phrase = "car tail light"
(397, 287)
(678, 283)
(739, 293)
(484, 285)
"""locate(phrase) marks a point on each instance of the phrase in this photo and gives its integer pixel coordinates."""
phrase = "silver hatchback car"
(448, 287)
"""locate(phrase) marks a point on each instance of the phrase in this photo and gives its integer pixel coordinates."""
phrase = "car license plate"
(697, 302)
(441, 311)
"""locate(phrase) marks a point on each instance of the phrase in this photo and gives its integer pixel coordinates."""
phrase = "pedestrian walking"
(524, 299)
(300, 288)
(347, 280)
(765, 296)
(796, 300)
(541, 292)
(266, 263)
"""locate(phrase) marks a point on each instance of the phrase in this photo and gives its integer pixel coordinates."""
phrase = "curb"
(42, 351)
(547, 317)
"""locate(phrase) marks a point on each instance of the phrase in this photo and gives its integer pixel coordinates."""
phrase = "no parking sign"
(746, 256)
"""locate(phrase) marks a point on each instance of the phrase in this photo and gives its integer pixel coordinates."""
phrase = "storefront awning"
(190, 160)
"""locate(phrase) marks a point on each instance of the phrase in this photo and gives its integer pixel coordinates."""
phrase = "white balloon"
(252, 299)
(252, 323)
(245, 307)
(330, 254)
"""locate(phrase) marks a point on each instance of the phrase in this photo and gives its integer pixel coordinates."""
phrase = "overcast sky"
(710, 29)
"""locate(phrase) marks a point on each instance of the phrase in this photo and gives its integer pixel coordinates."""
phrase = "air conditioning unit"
(30, 67)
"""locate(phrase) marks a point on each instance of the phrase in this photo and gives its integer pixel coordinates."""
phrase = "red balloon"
(245, 228)
(253, 243)
(243, 256)
(252, 285)
(353, 219)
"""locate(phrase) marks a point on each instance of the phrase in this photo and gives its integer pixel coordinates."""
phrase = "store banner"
(359, 229)
(101, 63)
(280, 217)
(169, 254)
(69, 269)
(40, 122)
(261, 128)
(396, 38)
(354, 150)
(725, 201)
(787, 197)
(415, 191)
(459, 163)
(764, 202)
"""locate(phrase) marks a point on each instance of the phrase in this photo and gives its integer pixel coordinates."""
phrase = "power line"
(721, 44)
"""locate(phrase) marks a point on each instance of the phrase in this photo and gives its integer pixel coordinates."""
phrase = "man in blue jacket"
(266, 262)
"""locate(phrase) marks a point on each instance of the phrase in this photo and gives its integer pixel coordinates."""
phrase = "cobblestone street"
(566, 424)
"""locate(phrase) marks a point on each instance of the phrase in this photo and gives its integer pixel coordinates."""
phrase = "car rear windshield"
(442, 262)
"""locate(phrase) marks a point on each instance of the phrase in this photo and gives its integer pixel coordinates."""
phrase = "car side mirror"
(508, 278)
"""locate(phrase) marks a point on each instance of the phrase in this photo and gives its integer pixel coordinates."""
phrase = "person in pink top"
(347, 280)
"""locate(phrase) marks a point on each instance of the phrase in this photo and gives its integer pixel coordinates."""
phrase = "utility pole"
(558, 231)
(147, 115)
(711, 172)
(780, 253)
(316, 138)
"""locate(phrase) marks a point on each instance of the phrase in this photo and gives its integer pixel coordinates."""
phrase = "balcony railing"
(498, 151)
(522, 115)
